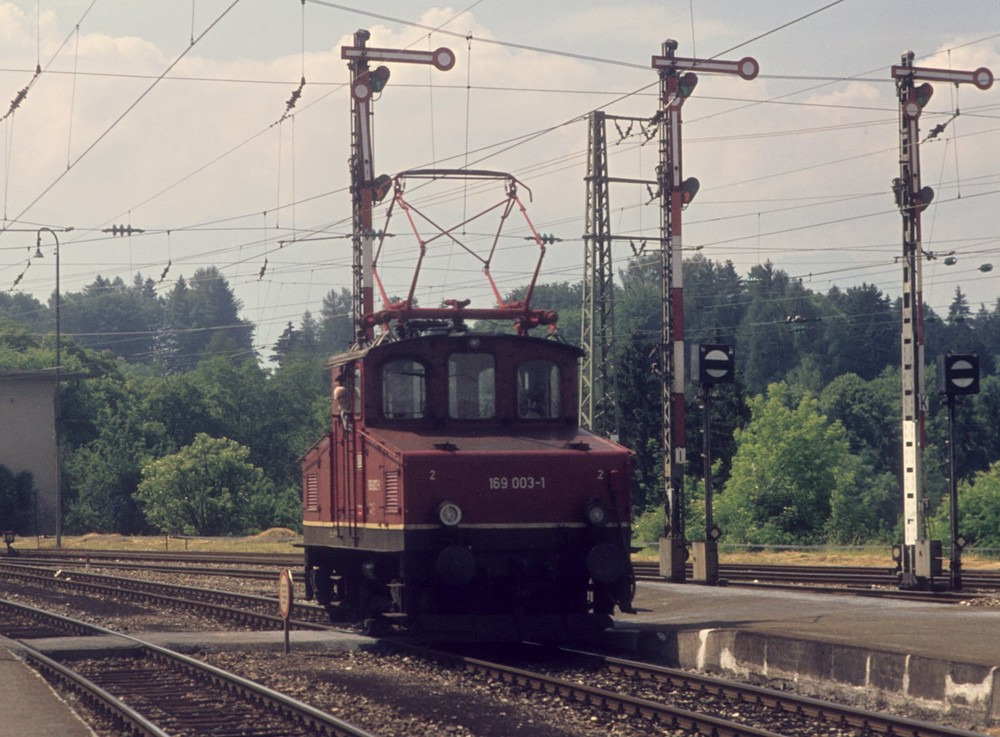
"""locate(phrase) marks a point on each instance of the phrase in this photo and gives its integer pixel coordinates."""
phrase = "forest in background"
(174, 421)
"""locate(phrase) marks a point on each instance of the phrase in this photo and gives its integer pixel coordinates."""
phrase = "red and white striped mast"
(677, 81)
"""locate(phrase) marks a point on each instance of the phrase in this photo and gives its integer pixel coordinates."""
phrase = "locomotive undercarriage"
(510, 584)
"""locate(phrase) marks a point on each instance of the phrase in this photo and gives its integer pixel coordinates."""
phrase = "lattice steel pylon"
(598, 401)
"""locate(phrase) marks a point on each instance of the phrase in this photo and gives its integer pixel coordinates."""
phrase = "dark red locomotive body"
(456, 492)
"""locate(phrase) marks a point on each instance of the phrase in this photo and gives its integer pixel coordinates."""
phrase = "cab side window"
(537, 390)
(404, 389)
(471, 386)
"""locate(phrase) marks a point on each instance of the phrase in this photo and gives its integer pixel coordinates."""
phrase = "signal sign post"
(957, 374)
(285, 596)
(366, 189)
(716, 364)
(677, 82)
(917, 563)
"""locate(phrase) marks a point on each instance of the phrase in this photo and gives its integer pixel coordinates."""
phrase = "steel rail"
(206, 601)
(827, 711)
(670, 716)
(853, 580)
(299, 716)
(279, 559)
(789, 704)
(126, 719)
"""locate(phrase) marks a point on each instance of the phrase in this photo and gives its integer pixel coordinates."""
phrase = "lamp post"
(58, 409)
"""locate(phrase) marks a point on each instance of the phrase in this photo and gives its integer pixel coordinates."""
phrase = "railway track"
(223, 564)
(242, 610)
(698, 704)
(853, 580)
(149, 690)
(626, 689)
(836, 716)
(833, 580)
(62, 555)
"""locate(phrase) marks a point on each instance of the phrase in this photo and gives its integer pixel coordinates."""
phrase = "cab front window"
(537, 390)
(471, 386)
(403, 389)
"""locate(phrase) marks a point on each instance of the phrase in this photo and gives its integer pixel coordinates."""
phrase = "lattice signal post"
(917, 559)
(367, 189)
(597, 398)
(677, 81)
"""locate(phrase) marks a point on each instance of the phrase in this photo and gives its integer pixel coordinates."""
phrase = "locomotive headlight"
(597, 514)
(449, 513)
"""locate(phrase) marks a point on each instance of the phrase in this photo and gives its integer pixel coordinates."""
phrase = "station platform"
(942, 658)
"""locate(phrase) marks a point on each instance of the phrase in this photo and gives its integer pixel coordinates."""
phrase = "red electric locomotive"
(457, 492)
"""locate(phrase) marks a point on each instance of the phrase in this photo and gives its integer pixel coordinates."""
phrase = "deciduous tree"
(206, 488)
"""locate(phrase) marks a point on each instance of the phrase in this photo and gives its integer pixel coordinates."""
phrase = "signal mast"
(677, 82)
(919, 559)
(368, 190)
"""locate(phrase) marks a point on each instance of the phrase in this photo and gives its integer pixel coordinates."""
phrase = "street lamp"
(58, 410)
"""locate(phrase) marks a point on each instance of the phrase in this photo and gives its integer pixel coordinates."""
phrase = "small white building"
(28, 437)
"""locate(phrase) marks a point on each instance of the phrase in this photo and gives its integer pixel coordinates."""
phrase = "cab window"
(471, 387)
(403, 389)
(537, 390)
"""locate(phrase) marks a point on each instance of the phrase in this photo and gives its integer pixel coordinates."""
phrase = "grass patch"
(867, 557)
(284, 540)
(275, 540)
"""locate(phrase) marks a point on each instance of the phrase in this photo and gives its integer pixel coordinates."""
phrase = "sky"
(174, 118)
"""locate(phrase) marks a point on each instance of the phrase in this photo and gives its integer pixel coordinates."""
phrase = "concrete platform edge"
(815, 667)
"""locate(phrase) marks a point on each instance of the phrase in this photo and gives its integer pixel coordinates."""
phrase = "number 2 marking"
(433, 475)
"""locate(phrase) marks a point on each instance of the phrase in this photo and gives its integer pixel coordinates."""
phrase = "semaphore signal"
(917, 560)
(677, 82)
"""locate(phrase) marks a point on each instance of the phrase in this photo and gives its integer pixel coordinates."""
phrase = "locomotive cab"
(455, 492)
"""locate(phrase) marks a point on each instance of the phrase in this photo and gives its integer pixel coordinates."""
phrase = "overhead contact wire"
(128, 110)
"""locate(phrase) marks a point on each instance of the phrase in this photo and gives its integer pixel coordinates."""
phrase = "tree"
(17, 501)
(104, 457)
(780, 327)
(790, 469)
(202, 320)
(978, 510)
(862, 334)
(297, 343)
(236, 400)
(714, 301)
(641, 408)
(26, 311)
(959, 310)
(336, 327)
(564, 298)
(206, 488)
(870, 413)
(109, 315)
(639, 310)
(980, 437)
